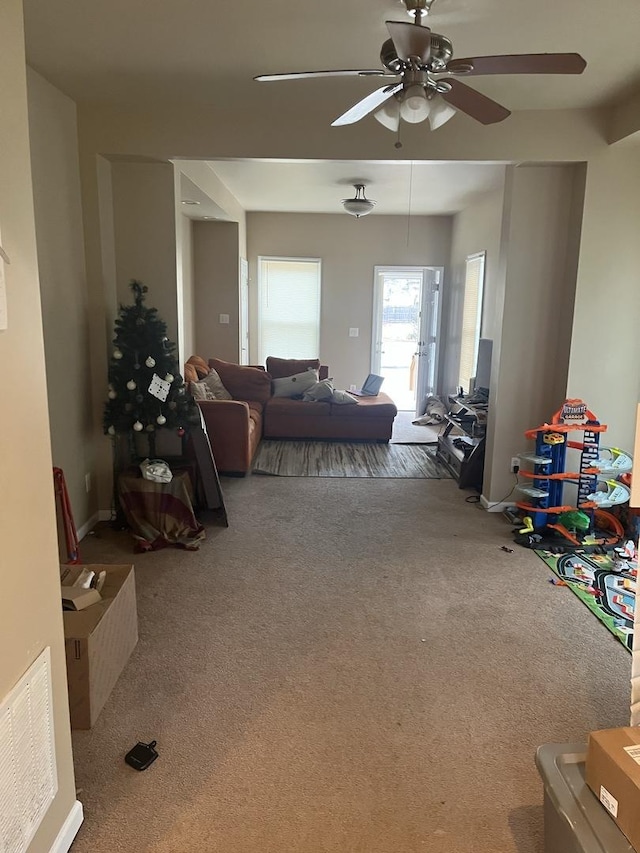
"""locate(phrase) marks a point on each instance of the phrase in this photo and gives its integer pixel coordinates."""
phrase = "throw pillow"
(294, 386)
(343, 398)
(199, 365)
(281, 367)
(320, 391)
(243, 383)
(214, 384)
(210, 388)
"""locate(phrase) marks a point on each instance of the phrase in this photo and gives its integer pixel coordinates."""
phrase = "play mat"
(600, 584)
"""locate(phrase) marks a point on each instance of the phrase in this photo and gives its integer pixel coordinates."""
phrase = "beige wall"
(63, 288)
(216, 265)
(530, 359)
(145, 236)
(30, 613)
(604, 367)
(476, 229)
(349, 249)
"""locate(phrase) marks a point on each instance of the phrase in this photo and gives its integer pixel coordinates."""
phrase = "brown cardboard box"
(98, 643)
(613, 774)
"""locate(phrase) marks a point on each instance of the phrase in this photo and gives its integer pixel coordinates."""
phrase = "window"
(471, 318)
(289, 308)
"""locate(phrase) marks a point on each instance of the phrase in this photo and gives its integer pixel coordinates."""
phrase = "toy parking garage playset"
(585, 541)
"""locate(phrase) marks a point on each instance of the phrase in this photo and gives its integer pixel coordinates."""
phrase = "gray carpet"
(353, 666)
(337, 459)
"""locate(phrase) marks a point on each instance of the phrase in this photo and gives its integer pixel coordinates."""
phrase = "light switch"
(353, 333)
(224, 319)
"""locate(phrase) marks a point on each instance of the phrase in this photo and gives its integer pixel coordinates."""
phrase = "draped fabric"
(160, 514)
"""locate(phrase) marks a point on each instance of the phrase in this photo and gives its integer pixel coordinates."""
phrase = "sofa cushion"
(281, 367)
(210, 388)
(322, 390)
(294, 386)
(343, 398)
(286, 408)
(243, 383)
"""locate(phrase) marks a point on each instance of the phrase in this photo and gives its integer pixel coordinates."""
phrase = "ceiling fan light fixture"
(389, 114)
(415, 107)
(440, 113)
(359, 205)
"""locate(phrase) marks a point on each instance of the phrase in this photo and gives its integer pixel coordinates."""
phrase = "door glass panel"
(401, 303)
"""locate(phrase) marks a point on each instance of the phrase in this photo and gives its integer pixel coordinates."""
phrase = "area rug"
(337, 459)
(609, 595)
(405, 432)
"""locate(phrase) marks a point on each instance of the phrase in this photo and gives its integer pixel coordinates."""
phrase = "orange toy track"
(567, 476)
(557, 509)
(531, 433)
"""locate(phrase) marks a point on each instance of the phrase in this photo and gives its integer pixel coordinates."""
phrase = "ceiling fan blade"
(367, 105)
(525, 63)
(474, 103)
(300, 75)
(410, 40)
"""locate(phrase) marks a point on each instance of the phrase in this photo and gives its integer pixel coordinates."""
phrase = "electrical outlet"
(515, 464)
(87, 481)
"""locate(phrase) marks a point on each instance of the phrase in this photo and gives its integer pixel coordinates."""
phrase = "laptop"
(370, 387)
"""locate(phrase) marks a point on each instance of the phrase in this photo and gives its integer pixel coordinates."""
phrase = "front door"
(406, 321)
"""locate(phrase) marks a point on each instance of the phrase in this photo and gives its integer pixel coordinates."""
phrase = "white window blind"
(471, 318)
(289, 308)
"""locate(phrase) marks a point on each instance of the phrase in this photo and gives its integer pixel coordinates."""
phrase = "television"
(483, 365)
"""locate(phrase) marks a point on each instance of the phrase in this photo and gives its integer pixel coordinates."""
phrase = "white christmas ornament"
(117, 354)
(150, 362)
(138, 426)
(161, 420)
(112, 395)
(111, 430)
(169, 378)
(131, 385)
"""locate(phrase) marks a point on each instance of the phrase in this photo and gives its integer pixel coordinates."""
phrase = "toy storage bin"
(574, 820)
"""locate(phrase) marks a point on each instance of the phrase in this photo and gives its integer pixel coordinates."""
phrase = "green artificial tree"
(146, 392)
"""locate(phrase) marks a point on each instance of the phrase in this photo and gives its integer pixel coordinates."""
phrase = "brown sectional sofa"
(236, 426)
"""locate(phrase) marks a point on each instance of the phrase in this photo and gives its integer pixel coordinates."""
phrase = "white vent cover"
(28, 778)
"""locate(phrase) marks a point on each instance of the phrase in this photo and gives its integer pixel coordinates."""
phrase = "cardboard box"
(613, 774)
(98, 643)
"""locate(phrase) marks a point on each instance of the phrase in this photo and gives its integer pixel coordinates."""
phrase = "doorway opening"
(406, 326)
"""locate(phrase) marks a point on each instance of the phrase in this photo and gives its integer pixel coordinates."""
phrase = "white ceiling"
(318, 186)
(205, 53)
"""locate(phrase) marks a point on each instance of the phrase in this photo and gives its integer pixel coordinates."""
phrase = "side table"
(160, 514)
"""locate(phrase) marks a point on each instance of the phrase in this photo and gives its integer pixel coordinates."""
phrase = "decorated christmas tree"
(146, 391)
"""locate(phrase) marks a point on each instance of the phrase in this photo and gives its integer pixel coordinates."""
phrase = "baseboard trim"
(88, 526)
(500, 506)
(69, 829)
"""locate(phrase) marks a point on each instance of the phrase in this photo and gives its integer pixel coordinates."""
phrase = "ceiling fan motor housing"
(441, 52)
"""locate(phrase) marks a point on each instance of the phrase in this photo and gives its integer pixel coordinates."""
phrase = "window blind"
(471, 318)
(289, 308)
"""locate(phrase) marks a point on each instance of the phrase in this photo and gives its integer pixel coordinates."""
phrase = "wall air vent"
(28, 777)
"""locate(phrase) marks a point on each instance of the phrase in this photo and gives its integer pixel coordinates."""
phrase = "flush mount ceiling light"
(359, 205)
(189, 201)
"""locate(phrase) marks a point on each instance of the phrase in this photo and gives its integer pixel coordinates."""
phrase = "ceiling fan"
(428, 84)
